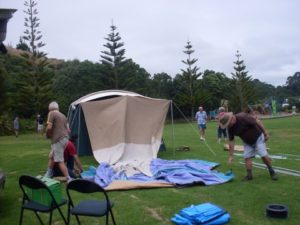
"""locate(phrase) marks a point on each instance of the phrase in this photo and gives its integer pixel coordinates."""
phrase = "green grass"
(245, 201)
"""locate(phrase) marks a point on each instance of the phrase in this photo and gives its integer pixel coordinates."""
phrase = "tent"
(123, 131)
(118, 126)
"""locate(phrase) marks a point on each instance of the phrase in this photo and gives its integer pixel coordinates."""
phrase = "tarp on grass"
(164, 173)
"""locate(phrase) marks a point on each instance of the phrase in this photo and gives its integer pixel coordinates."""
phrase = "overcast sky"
(266, 32)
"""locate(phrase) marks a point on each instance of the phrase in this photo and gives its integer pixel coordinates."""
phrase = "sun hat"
(225, 119)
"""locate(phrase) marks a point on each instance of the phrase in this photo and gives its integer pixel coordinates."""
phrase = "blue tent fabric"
(176, 172)
(204, 214)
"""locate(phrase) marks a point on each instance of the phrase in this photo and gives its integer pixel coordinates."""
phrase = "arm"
(78, 163)
(49, 130)
(262, 128)
(49, 126)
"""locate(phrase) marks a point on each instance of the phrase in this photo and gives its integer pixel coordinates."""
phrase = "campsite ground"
(245, 201)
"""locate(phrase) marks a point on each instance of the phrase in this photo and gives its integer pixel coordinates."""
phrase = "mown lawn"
(245, 201)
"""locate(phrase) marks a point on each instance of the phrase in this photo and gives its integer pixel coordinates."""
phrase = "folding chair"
(29, 182)
(88, 207)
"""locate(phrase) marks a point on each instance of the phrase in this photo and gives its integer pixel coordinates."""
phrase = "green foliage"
(218, 85)
(31, 34)
(162, 86)
(114, 58)
(293, 84)
(74, 79)
(243, 92)
(22, 45)
(189, 81)
(34, 84)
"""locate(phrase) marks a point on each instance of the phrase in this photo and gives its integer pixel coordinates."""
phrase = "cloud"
(156, 31)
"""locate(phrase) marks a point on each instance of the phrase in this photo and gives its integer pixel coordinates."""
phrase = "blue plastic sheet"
(203, 214)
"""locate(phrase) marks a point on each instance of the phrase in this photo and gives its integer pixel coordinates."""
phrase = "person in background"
(70, 157)
(16, 125)
(221, 132)
(253, 134)
(40, 124)
(201, 118)
(57, 131)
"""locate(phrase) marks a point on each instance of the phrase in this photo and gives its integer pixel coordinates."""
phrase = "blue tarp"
(177, 172)
(204, 214)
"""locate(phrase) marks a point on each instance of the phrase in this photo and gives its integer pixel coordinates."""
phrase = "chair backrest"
(85, 186)
(33, 183)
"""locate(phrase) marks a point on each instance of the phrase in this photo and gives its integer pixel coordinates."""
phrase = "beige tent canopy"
(121, 128)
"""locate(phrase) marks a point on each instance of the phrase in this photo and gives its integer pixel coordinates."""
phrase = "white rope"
(193, 127)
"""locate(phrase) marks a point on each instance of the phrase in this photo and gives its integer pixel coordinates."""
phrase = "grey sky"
(266, 32)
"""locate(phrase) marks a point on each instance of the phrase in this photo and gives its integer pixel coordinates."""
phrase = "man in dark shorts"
(253, 134)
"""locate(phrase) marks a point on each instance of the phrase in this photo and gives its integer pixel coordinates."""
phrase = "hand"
(266, 136)
(230, 160)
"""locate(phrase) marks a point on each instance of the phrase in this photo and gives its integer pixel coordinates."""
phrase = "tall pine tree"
(190, 77)
(35, 82)
(243, 88)
(114, 59)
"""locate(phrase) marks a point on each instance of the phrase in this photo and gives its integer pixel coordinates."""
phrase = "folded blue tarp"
(203, 214)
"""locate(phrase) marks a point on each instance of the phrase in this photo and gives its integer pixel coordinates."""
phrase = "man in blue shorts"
(253, 134)
(201, 118)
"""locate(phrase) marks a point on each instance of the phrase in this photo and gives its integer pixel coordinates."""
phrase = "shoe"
(219, 141)
(248, 178)
(202, 138)
(48, 174)
(273, 176)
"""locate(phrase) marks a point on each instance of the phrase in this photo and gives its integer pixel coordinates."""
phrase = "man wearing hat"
(252, 133)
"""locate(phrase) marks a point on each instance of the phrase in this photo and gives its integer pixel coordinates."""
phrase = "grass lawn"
(245, 201)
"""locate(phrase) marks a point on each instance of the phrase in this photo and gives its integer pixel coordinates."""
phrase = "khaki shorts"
(259, 147)
(57, 149)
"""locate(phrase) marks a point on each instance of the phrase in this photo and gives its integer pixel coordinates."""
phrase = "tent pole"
(173, 131)
(78, 128)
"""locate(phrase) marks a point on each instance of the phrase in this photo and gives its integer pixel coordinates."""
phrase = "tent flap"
(125, 128)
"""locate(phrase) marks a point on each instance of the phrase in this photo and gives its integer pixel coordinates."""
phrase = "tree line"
(29, 80)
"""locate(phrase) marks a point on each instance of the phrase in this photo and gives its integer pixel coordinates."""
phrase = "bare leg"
(248, 165)
(267, 161)
(63, 169)
(203, 132)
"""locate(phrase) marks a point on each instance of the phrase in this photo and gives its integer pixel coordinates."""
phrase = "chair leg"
(50, 219)
(77, 218)
(112, 217)
(68, 216)
(21, 216)
(62, 215)
(39, 218)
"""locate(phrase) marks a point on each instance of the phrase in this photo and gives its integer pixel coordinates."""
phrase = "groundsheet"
(165, 173)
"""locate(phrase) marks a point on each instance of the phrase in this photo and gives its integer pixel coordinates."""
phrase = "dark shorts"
(202, 126)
